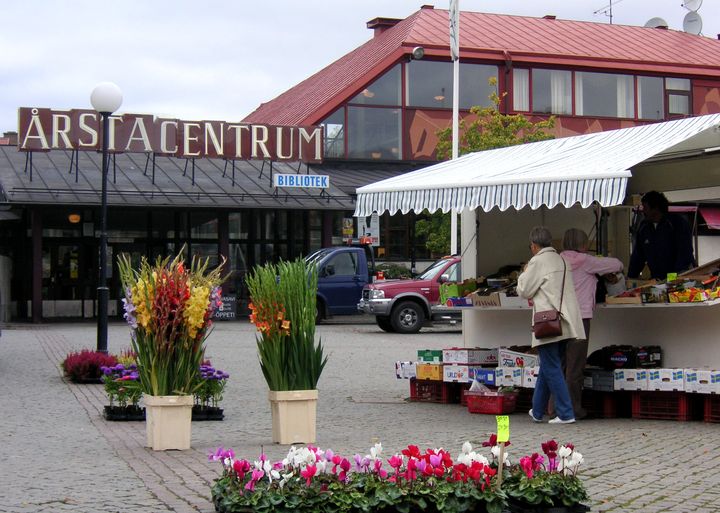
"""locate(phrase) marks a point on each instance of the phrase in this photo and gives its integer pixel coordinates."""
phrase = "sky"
(220, 59)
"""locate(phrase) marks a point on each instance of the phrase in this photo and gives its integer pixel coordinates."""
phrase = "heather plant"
(283, 300)
(85, 365)
(169, 308)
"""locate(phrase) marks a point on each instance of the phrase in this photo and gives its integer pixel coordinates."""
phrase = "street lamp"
(106, 98)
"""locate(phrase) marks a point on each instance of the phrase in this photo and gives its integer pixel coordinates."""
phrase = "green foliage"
(436, 230)
(394, 271)
(546, 489)
(489, 129)
(283, 300)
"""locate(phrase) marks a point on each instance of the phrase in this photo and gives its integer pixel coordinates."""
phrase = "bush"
(86, 365)
(394, 271)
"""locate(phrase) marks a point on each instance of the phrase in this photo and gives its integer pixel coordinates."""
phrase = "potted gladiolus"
(283, 310)
(169, 308)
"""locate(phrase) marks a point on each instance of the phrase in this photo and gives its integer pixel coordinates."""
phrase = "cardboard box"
(470, 355)
(630, 379)
(509, 376)
(433, 371)
(430, 355)
(508, 358)
(666, 380)
(627, 300)
(487, 377)
(456, 373)
(405, 370)
(530, 376)
(513, 301)
(490, 300)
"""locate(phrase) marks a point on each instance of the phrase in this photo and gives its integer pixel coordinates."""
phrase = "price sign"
(503, 428)
(671, 276)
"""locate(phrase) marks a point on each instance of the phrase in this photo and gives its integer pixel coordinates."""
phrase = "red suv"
(403, 306)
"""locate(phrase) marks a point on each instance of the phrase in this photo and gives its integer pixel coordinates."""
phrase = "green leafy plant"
(169, 309)
(283, 311)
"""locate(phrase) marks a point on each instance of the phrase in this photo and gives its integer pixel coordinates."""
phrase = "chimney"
(12, 138)
(427, 6)
(380, 25)
(549, 17)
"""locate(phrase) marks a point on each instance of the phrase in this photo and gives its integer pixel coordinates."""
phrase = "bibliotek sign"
(305, 181)
(78, 129)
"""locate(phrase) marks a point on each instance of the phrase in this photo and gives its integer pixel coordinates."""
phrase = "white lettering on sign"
(306, 181)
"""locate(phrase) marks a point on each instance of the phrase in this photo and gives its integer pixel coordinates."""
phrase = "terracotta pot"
(168, 421)
(293, 416)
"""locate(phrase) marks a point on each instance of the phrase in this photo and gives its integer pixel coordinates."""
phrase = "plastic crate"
(524, 399)
(607, 405)
(493, 403)
(427, 391)
(661, 406)
(711, 407)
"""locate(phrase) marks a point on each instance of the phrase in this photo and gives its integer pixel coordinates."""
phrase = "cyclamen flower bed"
(312, 479)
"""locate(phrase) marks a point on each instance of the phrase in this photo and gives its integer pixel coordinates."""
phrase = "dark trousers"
(575, 360)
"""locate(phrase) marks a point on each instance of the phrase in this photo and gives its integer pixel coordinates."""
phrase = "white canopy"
(581, 169)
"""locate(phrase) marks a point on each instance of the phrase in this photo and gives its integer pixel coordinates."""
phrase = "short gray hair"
(541, 236)
(575, 240)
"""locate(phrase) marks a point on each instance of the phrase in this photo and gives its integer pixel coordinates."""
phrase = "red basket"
(426, 391)
(712, 408)
(493, 403)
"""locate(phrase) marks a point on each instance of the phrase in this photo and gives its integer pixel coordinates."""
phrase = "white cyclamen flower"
(564, 452)
(466, 447)
(496, 452)
(376, 451)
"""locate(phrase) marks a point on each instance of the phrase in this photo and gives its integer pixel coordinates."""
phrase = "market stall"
(564, 183)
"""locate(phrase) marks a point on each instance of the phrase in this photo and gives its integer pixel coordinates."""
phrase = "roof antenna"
(607, 10)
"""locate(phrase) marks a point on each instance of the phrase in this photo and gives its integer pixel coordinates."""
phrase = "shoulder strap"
(562, 290)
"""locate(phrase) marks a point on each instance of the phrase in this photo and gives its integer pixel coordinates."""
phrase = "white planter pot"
(168, 421)
(293, 416)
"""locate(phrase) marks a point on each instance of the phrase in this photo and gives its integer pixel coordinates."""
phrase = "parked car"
(343, 271)
(404, 306)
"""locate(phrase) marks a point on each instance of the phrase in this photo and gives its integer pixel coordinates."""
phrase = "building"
(380, 110)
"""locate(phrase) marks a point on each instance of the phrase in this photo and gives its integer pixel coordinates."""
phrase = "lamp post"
(106, 98)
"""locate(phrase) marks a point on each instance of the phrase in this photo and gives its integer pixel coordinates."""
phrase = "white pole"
(455, 55)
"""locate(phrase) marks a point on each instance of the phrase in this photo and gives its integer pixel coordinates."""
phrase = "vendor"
(663, 241)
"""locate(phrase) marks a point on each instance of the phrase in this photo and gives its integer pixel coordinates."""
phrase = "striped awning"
(582, 169)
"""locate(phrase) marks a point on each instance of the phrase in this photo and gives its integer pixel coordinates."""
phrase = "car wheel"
(319, 311)
(384, 323)
(407, 317)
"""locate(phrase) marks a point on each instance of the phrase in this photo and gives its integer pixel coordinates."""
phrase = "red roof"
(494, 37)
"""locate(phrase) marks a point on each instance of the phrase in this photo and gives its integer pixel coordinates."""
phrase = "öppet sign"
(79, 129)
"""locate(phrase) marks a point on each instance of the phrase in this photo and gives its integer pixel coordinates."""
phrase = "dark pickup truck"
(404, 306)
(343, 271)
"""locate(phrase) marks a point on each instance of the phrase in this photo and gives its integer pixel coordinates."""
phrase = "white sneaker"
(558, 420)
(533, 416)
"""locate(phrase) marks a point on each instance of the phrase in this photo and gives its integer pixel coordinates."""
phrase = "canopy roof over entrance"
(581, 169)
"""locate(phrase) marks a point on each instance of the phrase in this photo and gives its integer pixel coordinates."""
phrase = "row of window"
(370, 125)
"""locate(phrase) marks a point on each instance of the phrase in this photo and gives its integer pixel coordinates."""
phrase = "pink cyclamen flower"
(379, 470)
(395, 462)
(308, 472)
(526, 464)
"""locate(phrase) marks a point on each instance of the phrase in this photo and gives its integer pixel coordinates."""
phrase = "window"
(334, 136)
(343, 264)
(552, 91)
(384, 91)
(238, 225)
(203, 225)
(521, 90)
(430, 84)
(604, 95)
(678, 95)
(651, 104)
(374, 133)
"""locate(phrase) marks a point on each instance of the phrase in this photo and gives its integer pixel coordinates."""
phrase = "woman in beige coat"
(542, 282)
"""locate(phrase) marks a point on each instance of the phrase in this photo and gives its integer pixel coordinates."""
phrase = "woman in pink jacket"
(585, 270)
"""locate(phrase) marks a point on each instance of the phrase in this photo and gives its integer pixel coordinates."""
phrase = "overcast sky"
(220, 59)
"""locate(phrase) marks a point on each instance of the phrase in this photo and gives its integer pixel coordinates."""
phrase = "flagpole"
(454, 13)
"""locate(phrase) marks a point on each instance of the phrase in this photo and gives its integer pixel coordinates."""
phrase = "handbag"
(547, 323)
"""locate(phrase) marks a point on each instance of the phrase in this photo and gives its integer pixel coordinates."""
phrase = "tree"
(488, 129)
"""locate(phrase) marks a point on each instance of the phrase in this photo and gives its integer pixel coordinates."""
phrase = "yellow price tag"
(671, 276)
(503, 428)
